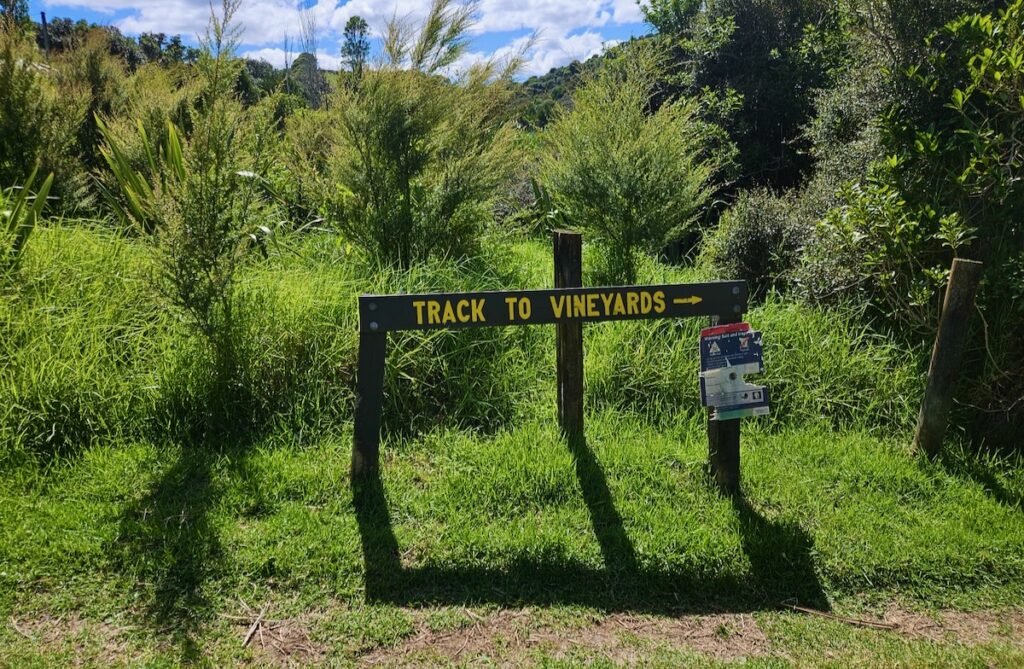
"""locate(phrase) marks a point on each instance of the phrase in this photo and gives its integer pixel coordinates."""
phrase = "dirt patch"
(282, 642)
(106, 643)
(507, 637)
(971, 628)
(285, 643)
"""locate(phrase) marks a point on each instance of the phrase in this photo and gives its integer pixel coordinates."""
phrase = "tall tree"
(356, 47)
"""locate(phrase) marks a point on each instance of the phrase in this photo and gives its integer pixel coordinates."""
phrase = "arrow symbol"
(688, 300)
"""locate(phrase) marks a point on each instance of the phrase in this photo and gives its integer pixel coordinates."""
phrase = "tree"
(356, 46)
(425, 156)
(634, 180)
(15, 10)
(670, 16)
(152, 45)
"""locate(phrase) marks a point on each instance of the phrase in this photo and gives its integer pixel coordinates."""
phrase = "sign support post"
(369, 403)
(568, 250)
(724, 438)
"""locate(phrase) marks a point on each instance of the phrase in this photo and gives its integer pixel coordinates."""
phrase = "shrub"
(423, 158)
(758, 240)
(301, 175)
(633, 180)
(19, 214)
(199, 196)
(38, 126)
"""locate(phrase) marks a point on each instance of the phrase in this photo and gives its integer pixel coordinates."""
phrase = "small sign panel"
(727, 354)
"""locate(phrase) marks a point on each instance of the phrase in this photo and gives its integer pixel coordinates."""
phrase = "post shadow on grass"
(780, 555)
(165, 540)
(616, 548)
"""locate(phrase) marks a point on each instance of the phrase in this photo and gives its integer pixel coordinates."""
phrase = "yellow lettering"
(579, 305)
(607, 299)
(478, 311)
(511, 302)
(557, 306)
(645, 302)
(620, 310)
(659, 302)
(449, 313)
(462, 307)
(433, 312)
(632, 303)
(592, 306)
(525, 308)
(418, 305)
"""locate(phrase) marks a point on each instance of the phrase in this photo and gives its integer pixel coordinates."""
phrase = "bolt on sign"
(723, 301)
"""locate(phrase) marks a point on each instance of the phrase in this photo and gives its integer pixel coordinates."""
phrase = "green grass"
(155, 510)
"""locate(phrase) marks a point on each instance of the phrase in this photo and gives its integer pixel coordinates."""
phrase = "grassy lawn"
(168, 552)
(144, 522)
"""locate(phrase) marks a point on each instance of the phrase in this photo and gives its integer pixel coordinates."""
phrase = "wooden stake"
(724, 440)
(944, 370)
(568, 252)
(369, 403)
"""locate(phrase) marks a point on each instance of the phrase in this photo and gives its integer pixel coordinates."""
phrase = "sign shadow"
(781, 567)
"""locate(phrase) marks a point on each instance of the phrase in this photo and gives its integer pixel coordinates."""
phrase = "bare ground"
(509, 637)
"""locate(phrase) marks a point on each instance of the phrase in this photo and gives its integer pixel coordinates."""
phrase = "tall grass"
(90, 354)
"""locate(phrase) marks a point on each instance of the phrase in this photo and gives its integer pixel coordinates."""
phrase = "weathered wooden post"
(568, 251)
(946, 355)
(724, 438)
(369, 402)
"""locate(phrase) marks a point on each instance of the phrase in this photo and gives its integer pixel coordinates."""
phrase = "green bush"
(758, 240)
(20, 210)
(38, 122)
(423, 157)
(634, 181)
(203, 198)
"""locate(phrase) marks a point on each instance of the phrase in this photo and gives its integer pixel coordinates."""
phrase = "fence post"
(568, 252)
(724, 439)
(946, 355)
(369, 403)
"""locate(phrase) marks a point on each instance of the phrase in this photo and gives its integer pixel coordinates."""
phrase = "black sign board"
(390, 313)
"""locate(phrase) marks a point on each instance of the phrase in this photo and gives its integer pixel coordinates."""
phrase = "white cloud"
(267, 22)
(277, 57)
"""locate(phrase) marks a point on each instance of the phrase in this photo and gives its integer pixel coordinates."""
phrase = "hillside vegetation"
(184, 240)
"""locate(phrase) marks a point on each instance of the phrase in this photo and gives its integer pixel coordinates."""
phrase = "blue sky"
(567, 29)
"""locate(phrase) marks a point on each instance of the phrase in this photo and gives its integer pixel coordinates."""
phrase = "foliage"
(301, 173)
(20, 211)
(306, 79)
(634, 181)
(423, 157)
(101, 78)
(356, 47)
(760, 61)
(670, 16)
(759, 240)
(197, 197)
(24, 112)
(38, 122)
(15, 11)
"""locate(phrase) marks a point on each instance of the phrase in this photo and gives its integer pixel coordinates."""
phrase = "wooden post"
(724, 439)
(369, 403)
(568, 250)
(946, 354)
(46, 35)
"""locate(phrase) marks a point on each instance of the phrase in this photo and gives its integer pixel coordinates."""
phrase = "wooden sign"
(569, 308)
(390, 313)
